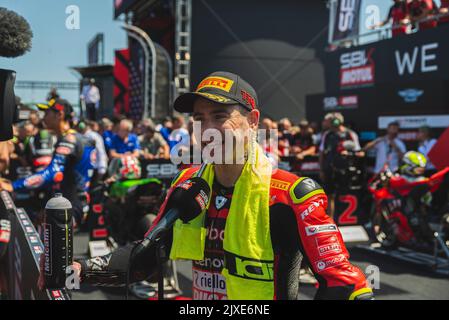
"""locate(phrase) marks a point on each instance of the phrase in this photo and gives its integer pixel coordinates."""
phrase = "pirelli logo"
(217, 83)
(279, 184)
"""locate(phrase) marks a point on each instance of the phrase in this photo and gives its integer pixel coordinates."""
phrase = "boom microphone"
(15, 34)
(186, 202)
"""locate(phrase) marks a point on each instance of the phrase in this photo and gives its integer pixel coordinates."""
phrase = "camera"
(9, 110)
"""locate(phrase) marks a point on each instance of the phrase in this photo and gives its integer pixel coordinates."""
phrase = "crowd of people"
(419, 14)
(118, 137)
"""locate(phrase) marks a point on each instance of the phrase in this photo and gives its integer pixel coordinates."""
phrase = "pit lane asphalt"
(398, 280)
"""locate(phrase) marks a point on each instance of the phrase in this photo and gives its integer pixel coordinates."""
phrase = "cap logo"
(59, 107)
(214, 97)
(248, 99)
(217, 83)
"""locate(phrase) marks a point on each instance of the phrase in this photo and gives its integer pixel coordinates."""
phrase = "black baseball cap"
(222, 87)
(58, 104)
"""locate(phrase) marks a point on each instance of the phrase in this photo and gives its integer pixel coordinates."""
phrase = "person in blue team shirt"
(124, 143)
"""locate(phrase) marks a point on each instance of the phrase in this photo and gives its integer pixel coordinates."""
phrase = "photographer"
(331, 150)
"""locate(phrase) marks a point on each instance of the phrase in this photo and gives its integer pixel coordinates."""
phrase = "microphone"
(15, 34)
(186, 202)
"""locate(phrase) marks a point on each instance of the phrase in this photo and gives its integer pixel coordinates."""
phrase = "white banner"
(414, 122)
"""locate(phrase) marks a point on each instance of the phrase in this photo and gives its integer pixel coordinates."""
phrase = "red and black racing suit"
(300, 229)
(398, 12)
(69, 172)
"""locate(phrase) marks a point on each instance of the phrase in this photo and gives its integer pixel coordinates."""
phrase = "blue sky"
(55, 48)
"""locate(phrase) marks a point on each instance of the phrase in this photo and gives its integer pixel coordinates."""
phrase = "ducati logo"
(220, 202)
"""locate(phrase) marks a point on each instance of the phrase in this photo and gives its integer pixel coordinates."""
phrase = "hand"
(296, 149)
(360, 154)
(5, 185)
(41, 280)
(300, 156)
(110, 180)
(444, 10)
(149, 156)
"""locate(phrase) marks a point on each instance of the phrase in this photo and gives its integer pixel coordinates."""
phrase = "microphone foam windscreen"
(15, 34)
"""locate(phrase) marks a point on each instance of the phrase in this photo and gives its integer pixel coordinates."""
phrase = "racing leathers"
(69, 171)
(300, 229)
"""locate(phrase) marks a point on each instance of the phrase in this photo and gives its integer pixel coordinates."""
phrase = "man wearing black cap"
(263, 220)
(72, 163)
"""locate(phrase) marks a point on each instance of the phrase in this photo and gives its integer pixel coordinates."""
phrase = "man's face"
(422, 136)
(393, 130)
(304, 130)
(52, 119)
(287, 125)
(149, 134)
(325, 124)
(123, 132)
(177, 124)
(34, 119)
(222, 118)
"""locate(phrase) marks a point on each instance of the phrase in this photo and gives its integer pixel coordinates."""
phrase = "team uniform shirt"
(332, 144)
(417, 8)
(303, 141)
(178, 137)
(285, 141)
(398, 12)
(122, 147)
(69, 172)
(299, 230)
(107, 138)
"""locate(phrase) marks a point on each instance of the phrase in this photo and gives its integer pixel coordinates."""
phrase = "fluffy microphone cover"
(15, 34)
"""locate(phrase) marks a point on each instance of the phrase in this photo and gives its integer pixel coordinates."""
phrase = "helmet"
(126, 168)
(413, 163)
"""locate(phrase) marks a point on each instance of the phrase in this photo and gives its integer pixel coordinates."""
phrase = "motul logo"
(357, 68)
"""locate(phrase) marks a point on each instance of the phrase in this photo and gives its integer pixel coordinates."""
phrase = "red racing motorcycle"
(402, 212)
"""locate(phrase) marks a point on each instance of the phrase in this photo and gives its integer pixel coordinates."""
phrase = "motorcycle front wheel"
(384, 230)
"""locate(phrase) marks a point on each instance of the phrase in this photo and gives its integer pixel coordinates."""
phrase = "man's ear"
(253, 118)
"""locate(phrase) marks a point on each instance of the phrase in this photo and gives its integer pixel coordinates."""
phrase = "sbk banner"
(346, 19)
